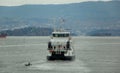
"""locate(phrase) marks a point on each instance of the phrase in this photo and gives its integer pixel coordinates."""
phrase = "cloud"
(22, 2)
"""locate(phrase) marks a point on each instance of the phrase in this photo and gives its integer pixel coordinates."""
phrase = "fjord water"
(93, 55)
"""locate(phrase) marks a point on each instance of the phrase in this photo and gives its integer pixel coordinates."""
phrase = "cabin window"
(60, 35)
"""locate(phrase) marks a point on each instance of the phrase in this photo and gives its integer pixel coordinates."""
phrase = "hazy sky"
(22, 2)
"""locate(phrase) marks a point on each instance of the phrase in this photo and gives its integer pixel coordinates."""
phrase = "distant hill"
(81, 18)
(104, 32)
(85, 10)
(29, 31)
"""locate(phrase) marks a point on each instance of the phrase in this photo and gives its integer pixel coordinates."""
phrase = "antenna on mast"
(62, 21)
(54, 21)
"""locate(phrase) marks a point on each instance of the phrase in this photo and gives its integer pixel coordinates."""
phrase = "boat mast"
(62, 21)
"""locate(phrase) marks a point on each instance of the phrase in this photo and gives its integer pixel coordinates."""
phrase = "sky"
(23, 2)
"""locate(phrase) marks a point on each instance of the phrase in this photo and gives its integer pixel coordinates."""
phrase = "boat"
(60, 46)
(3, 35)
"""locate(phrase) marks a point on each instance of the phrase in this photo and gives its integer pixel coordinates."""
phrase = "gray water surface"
(93, 55)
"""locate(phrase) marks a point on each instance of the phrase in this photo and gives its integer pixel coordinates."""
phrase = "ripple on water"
(61, 66)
